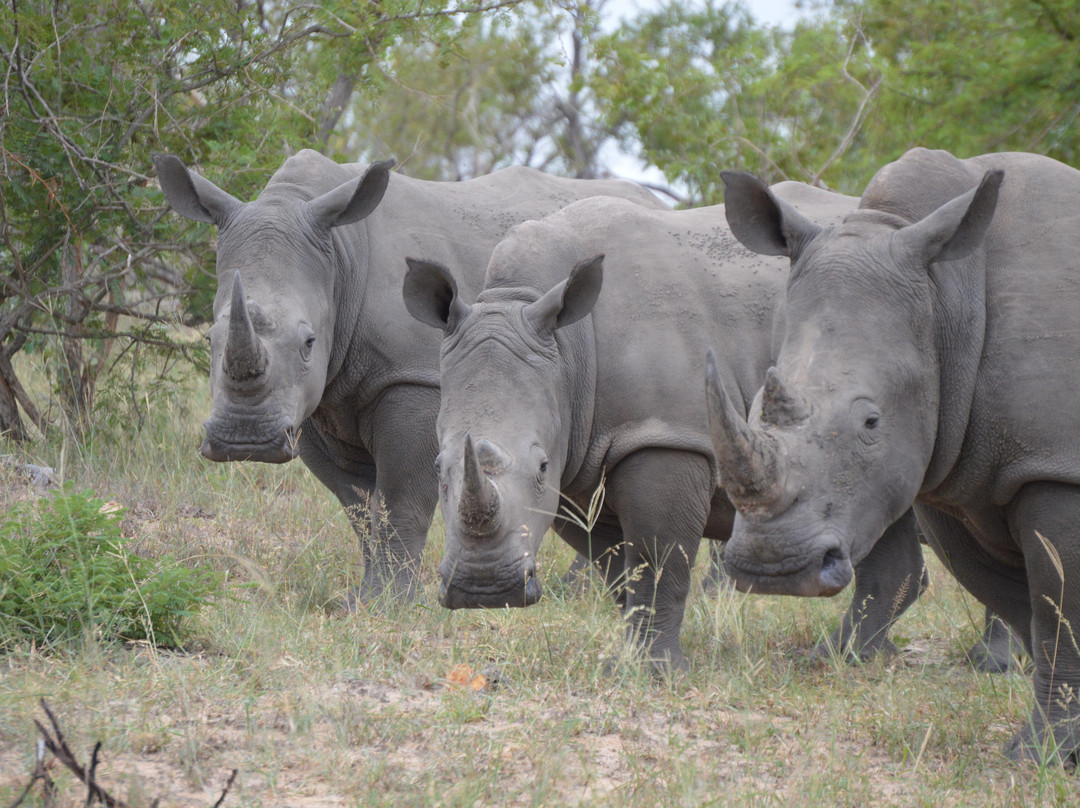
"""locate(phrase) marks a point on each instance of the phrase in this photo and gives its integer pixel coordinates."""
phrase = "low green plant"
(65, 571)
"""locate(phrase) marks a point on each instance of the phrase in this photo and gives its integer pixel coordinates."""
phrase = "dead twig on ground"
(55, 743)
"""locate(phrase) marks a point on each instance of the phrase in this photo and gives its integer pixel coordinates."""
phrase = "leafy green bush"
(64, 571)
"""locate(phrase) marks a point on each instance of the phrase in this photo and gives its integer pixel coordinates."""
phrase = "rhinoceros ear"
(569, 301)
(762, 222)
(956, 228)
(353, 200)
(190, 195)
(431, 294)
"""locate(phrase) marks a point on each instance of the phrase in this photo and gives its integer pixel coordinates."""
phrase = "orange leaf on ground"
(460, 675)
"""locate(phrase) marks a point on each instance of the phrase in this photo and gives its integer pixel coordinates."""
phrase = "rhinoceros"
(312, 351)
(551, 388)
(930, 355)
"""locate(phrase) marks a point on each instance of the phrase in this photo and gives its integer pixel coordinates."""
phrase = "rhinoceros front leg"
(996, 650)
(887, 582)
(351, 479)
(661, 498)
(601, 548)
(1043, 518)
(1030, 601)
(404, 446)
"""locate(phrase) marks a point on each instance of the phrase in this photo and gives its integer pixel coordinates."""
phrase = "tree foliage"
(700, 86)
(95, 273)
(704, 87)
(92, 266)
(990, 75)
(511, 89)
(451, 113)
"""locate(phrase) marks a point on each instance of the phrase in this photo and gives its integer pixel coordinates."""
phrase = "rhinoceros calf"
(930, 354)
(312, 351)
(549, 387)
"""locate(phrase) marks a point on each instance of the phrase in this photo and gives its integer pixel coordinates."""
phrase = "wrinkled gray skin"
(930, 355)
(312, 351)
(550, 386)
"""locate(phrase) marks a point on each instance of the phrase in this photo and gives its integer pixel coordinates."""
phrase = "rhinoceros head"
(274, 313)
(839, 439)
(503, 427)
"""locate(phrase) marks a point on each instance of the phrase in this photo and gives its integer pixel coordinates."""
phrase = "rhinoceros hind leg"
(1042, 519)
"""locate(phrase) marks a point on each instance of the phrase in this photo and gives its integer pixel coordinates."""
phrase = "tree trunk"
(11, 425)
(73, 388)
(334, 106)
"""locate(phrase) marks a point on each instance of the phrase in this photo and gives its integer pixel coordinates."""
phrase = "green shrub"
(64, 571)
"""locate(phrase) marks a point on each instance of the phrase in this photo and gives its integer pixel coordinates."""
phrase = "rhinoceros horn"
(748, 460)
(479, 504)
(245, 354)
(779, 406)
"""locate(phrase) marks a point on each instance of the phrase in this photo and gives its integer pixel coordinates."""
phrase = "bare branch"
(57, 744)
(860, 113)
(54, 742)
(451, 12)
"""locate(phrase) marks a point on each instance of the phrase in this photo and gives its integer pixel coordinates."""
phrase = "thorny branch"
(54, 741)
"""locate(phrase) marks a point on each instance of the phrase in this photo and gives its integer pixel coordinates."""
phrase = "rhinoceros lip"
(279, 447)
(466, 594)
(823, 576)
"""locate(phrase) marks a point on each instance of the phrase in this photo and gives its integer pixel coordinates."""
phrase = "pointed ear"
(190, 195)
(956, 228)
(431, 294)
(569, 301)
(353, 200)
(762, 222)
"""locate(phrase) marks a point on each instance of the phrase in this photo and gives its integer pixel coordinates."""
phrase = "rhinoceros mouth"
(459, 592)
(518, 596)
(823, 576)
(273, 442)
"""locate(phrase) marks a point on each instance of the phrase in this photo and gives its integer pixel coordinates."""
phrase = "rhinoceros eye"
(872, 422)
(307, 337)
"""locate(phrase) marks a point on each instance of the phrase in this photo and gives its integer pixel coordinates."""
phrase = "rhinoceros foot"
(381, 591)
(1039, 744)
(996, 650)
(846, 647)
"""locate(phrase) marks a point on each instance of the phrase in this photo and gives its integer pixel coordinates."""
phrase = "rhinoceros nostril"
(836, 571)
(832, 558)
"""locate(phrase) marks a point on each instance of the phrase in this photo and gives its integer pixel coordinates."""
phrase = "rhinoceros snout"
(457, 592)
(822, 572)
(277, 444)
(836, 571)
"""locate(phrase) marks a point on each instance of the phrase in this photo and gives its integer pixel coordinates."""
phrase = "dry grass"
(316, 708)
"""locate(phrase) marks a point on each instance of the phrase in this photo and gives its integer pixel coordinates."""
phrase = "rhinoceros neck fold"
(351, 268)
(959, 338)
(577, 366)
